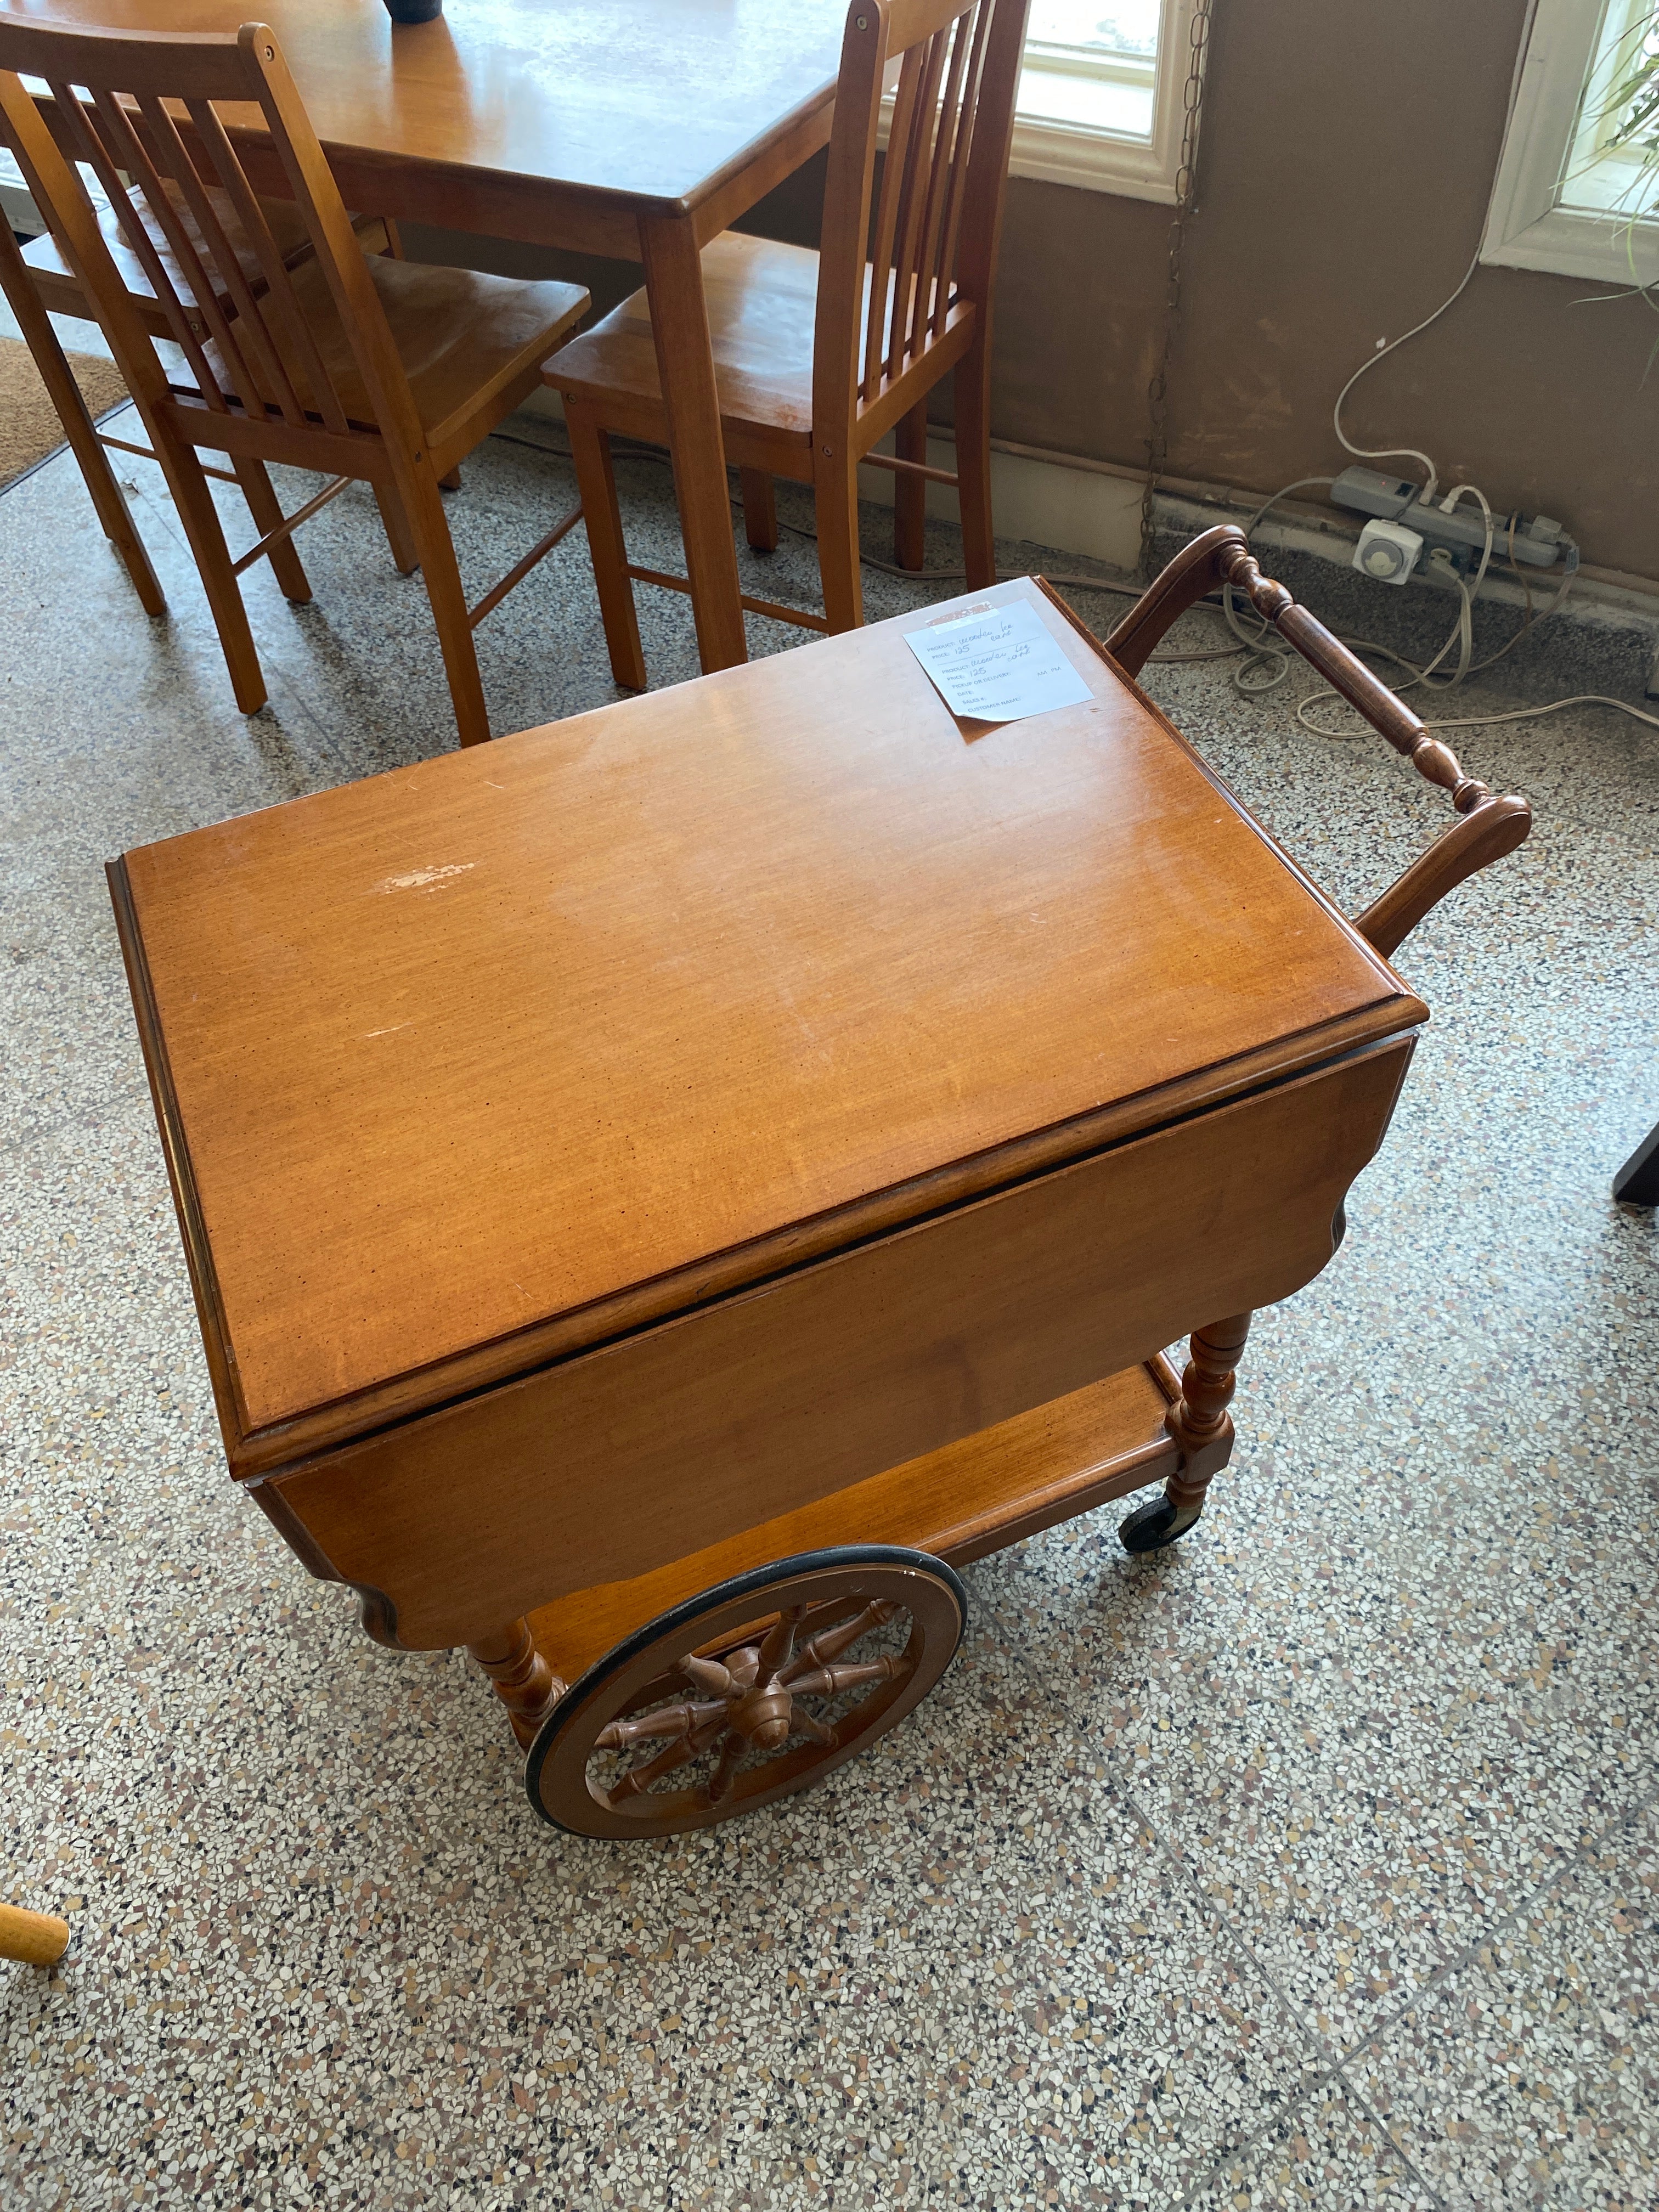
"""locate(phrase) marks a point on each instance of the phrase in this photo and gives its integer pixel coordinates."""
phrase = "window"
(1577, 183)
(1100, 96)
(17, 207)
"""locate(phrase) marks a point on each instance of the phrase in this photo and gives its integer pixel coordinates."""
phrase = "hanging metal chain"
(1157, 391)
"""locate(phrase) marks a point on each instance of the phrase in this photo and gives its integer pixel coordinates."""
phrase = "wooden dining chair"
(39, 283)
(367, 369)
(817, 356)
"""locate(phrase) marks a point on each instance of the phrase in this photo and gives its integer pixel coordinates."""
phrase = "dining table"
(634, 129)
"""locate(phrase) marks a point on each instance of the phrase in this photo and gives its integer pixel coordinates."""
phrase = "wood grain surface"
(637, 129)
(1098, 1443)
(609, 1465)
(817, 354)
(507, 103)
(357, 366)
(476, 1049)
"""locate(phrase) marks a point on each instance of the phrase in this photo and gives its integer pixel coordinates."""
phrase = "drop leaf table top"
(473, 1064)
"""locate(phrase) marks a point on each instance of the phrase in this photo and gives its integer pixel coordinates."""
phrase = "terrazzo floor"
(1314, 1864)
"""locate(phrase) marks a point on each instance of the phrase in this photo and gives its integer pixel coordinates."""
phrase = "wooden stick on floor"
(37, 1938)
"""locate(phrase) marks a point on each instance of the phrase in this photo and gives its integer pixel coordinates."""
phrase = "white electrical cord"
(1251, 648)
(1525, 714)
(1385, 346)
(1384, 349)
(1263, 651)
(1261, 647)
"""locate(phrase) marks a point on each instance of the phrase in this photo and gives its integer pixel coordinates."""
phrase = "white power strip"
(1537, 539)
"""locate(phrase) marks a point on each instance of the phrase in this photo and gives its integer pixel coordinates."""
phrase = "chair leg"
(398, 535)
(760, 509)
(267, 512)
(200, 518)
(836, 510)
(910, 493)
(596, 480)
(974, 468)
(452, 481)
(114, 513)
(435, 549)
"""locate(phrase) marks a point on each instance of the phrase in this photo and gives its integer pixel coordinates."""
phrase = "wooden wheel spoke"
(779, 1646)
(831, 1682)
(653, 1770)
(707, 1675)
(665, 1721)
(832, 1642)
(720, 1780)
(751, 1727)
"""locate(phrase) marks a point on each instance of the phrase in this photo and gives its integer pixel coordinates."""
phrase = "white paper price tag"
(998, 665)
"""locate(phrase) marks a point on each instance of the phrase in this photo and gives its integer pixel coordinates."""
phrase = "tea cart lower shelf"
(768, 1659)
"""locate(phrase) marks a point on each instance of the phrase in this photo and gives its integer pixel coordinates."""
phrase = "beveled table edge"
(254, 1453)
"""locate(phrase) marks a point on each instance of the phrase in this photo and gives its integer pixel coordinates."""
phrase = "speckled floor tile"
(1173, 1838)
(1332, 2157)
(1531, 2077)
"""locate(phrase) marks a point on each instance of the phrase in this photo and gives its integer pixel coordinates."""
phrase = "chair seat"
(61, 290)
(463, 337)
(762, 305)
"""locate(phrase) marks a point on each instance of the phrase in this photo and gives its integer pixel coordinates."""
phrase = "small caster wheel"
(1157, 1525)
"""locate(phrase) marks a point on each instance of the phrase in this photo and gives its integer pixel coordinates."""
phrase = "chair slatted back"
(142, 111)
(927, 246)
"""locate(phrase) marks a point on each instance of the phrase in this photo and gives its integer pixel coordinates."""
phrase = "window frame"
(1099, 161)
(1526, 226)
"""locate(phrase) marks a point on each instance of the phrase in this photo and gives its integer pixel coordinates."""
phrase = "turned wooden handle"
(1488, 826)
(1181, 584)
(1492, 827)
(37, 1938)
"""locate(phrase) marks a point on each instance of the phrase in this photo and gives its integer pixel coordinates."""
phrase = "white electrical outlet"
(1387, 552)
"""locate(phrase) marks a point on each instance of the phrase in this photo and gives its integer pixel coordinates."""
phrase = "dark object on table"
(1636, 1182)
(414, 11)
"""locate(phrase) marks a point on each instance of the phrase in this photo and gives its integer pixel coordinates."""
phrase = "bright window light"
(1100, 95)
(1610, 165)
(1577, 182)
(1093, 63)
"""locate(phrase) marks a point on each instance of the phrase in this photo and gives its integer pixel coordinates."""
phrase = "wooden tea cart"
(664, 1191)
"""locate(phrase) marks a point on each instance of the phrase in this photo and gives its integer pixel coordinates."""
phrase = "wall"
(1348, 149)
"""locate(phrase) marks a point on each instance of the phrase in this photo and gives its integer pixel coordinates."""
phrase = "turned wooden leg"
(760, 509)
(691, 401)
(38, 1939)
(1200, 1423)
(79, 428)
(910, 493)
(524, 1681)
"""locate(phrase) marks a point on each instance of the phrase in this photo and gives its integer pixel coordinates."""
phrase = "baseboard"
(1066, 506)
(1058, 503)
(1604, 639)
(1040, 500)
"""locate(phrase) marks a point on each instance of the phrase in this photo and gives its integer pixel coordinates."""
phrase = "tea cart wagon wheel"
(757, 1688)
